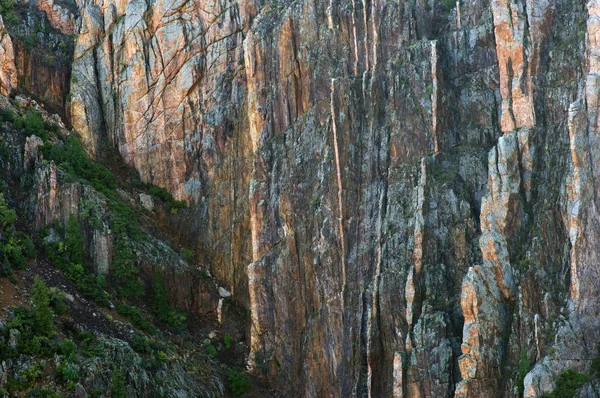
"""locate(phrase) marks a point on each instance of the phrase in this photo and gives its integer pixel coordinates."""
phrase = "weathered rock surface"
(60, 14)
(8, 73)
(41, 54)
(402, 193)
(55, 199)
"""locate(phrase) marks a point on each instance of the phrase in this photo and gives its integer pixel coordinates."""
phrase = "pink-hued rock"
(399, 192)
(8, 71)
(60, 17)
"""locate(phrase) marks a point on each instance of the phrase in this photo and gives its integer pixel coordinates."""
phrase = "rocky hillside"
(400, 194)
(93, 302)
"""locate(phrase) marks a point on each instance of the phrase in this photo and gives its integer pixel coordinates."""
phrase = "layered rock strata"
(401, 192)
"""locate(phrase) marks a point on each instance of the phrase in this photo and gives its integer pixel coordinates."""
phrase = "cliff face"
(37, 57)
(403, 193)
(8, 74)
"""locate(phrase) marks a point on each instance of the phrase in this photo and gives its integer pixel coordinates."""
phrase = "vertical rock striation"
(8, 73)
(403, 193)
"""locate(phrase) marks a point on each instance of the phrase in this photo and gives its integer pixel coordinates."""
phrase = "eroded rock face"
(41, 55)
(54, 200)
(401, 192)
(8, 72)
(162, 81)
(60, 14)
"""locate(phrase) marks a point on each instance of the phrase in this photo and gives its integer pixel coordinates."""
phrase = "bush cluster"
(173, 317)
(161, 193)
(136, 317)
(567, 384)
(8, 13)
(72, 159)
(38, 337)
(238, 382)
(15, 247)
(68, 257)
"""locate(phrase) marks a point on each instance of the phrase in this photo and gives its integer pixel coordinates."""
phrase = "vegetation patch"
(523, 368)
(68, 257)
(567, 384)
(173, 317)
(238, 382)
(15, 247)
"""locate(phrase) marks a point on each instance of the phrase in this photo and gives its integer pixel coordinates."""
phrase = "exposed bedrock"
(402, 193)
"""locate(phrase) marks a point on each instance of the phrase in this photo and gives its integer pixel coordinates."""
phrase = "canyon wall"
(402, 192)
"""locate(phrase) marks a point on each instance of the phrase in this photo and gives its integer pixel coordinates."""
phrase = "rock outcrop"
(41, 58)
(8, 73)
(172, 124)
(401, 192)
(60, 14)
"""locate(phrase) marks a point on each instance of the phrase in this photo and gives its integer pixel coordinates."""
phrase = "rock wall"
(8, 74)
(401, 192)
(38, 58)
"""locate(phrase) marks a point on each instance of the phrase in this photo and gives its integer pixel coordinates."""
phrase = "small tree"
(74, 240)
(7, 215)
(117, 384)
(238, 382)
(160, 304)
(33, 123)
(43, 316)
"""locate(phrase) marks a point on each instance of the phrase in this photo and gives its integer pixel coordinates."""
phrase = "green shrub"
(67, 373)
(160, 193)
(42, 313)
(19, 122)
(72, 159)
(136, 317)
(7, 215)
(13, 253)
(211, 351)
(6, 5)
(21, 320)
(227, 341)
(58, 302)
(59, 255)
(595, 367)
(33, 345)
(6, 10)
(186, 253)
(43, 392)
(163, 194)
(11, 18)
(90, 346)
(567, 384)
(125, 259)
(162, 356)
(449, 4)
(7, 115)
(141, 343)
(238, 382)
(27, 245)
(4, 151)
(68, 349)
(74, 240)
(117, 384)
(25, 378)
(173, 317)
(34, 124)
(523, 368)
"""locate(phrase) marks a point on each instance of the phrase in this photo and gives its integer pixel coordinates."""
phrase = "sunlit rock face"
(61, 14)
(402, 193)
(8, 71)
(164, 82)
